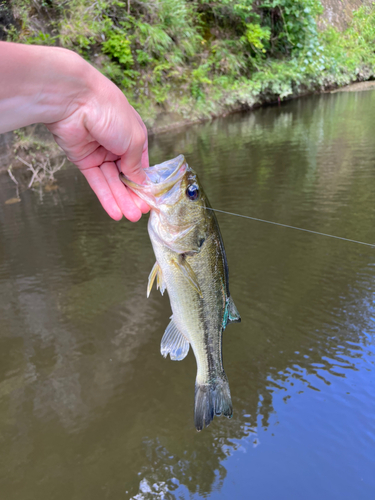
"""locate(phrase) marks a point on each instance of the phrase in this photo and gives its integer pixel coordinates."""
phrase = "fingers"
(141, 204)
(115, 198)
(103, 129)
(111, 192)
(99, 185)
(121, 194)
(94, 159)
(114, 124)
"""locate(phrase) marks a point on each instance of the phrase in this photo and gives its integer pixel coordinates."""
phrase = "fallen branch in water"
(42, 176)
(15, 181)
(42, 170)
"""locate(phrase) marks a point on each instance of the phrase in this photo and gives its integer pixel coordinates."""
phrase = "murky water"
(88, 407)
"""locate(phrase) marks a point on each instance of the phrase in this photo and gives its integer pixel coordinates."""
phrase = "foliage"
(201, 57)
(118, 47)
(255, 35)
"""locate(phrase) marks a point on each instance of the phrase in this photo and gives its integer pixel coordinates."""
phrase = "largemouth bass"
(191, 265)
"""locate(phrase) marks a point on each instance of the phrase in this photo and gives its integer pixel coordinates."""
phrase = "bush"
(180, 54)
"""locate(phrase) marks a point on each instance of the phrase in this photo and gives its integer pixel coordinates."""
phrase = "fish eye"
(192, 192)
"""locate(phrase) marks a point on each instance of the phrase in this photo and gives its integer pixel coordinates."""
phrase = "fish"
(191, 265)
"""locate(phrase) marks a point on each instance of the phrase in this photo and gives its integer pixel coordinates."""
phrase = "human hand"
(88, 115)
(103, 135)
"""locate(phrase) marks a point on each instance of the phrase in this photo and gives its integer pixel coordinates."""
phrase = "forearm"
(40, 84)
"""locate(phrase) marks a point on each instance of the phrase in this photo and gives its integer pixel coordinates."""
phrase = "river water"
(90, 410)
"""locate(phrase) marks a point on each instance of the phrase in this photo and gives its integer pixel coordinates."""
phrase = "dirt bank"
(166, 122)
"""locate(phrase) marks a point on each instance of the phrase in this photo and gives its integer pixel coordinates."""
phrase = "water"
(88, 407)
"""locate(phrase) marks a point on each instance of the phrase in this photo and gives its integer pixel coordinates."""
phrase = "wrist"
(40, 84)
(65, 88)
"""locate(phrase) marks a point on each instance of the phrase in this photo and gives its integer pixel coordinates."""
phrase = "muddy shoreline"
(168, 122)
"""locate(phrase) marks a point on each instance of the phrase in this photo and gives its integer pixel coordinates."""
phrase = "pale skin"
(89, 117)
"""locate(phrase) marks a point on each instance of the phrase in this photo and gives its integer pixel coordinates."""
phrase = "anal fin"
(174, 343)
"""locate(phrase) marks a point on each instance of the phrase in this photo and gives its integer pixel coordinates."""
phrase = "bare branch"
(23, 161)
(12, 176)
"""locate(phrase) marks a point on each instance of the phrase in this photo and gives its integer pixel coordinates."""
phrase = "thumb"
(136, 155)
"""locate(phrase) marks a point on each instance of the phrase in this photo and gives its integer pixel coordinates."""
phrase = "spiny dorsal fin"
(156, 273)
(174, 343)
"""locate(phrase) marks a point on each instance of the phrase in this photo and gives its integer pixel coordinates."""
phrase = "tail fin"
(210, 400)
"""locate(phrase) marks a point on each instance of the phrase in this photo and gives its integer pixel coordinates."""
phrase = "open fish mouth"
(166, 171)
(160, 180)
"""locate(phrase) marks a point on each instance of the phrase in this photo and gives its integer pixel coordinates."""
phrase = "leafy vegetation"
(201, 58)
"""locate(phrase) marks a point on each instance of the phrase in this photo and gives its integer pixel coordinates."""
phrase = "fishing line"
(292, 227)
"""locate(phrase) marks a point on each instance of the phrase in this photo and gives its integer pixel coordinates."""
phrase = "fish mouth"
(160, 180)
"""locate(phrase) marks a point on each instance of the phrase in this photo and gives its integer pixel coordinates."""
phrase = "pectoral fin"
(174, 343)
(182, 265)
(156, 272)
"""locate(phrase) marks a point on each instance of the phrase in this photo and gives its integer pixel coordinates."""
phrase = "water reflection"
(89, 408)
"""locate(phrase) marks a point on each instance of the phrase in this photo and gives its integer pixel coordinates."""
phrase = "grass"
(201, 58)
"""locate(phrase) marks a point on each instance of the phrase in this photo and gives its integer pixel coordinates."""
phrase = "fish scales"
(191, 264)
(198, 318)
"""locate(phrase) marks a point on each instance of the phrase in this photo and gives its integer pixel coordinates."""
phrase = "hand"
(105, 129)
(88, 115)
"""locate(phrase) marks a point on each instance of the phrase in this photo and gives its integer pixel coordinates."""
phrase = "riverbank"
(171, 121)
(39, 141)
(181, 62)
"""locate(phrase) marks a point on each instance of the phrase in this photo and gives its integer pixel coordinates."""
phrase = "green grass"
(200, 58)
